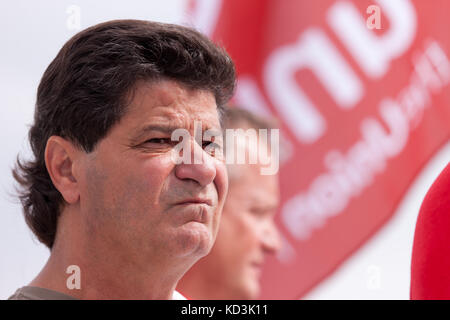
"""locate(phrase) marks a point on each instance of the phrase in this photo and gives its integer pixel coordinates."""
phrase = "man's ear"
(60, 155)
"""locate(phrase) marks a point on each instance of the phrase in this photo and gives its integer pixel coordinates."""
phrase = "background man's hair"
(236, 117)
(86, 88)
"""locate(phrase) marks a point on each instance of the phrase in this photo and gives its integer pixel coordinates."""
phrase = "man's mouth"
(195, 201)
(195, 209)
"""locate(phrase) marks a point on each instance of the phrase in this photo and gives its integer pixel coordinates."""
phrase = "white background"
(32, 34)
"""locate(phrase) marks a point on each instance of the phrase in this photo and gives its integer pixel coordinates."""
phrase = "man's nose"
(201, 167)
(271, 240)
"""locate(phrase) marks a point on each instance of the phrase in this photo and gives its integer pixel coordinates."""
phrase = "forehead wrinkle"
(176, 118)
(209, 120)
(174, 105)
(149, 97)
(159, 119)
(184, 116)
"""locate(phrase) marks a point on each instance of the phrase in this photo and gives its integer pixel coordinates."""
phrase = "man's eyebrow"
(166, 129)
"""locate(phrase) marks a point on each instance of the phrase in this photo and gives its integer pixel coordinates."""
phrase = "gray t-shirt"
(36, 293)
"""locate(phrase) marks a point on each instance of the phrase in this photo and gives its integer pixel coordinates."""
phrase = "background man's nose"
(271, 240)
(203, 172)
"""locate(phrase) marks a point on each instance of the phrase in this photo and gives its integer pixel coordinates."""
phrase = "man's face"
(247, 234)
(135, 198)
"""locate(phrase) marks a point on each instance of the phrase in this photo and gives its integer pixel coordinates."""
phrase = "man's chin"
(245, 291)
(195, 239)
(251, 292)
(250, 287)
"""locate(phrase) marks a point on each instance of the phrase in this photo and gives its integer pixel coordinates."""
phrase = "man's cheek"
(221, 181)
(155, 170)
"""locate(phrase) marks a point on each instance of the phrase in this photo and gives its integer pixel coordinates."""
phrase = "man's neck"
(104, 273)
(99, 281)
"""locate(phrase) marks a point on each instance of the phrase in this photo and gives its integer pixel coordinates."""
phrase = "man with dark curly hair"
(122, 219)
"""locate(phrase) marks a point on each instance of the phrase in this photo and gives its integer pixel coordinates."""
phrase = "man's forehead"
(173, 106)
(257, 195)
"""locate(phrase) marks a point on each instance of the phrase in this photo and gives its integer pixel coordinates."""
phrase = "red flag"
(361, 89)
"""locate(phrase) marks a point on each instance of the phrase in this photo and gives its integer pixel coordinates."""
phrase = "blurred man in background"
(247, 232)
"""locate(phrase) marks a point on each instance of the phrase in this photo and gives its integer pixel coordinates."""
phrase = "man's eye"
(210, 145)
(158, 141)
(213, 149)
(261, 212)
